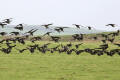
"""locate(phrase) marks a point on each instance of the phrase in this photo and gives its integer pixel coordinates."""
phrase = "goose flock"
(17, 38)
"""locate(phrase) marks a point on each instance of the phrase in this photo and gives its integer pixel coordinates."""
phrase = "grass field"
(38, 66)
(58, 67)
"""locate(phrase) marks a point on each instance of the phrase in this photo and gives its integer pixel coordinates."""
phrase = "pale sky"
(96, 13)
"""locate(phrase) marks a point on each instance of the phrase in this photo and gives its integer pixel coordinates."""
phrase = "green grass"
(38, 66)
(58, 67)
